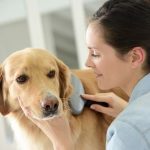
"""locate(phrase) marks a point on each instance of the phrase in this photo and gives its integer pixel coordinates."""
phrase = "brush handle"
(88, 103)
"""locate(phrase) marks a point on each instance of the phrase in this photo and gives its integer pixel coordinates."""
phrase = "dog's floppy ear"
(64, 80)
(3, 107)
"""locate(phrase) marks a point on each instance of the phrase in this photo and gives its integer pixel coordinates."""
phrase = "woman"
(118, 39)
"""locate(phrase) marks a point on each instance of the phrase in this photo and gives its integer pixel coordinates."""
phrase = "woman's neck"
(132, 82)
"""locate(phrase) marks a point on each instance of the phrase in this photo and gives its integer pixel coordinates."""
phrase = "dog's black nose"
(49, 106)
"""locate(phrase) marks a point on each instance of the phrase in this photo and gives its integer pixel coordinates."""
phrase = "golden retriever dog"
(42, 82)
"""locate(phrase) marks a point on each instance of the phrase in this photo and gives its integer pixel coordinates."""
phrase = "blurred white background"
(57, 25)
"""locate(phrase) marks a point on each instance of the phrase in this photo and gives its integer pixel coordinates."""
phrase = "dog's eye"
(51, 74)
(22, 79)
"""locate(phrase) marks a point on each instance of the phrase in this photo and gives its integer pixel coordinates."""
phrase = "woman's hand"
(115, 103)
(57, 129)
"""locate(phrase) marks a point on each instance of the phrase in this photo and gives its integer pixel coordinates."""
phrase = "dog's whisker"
(66, 106)
(66, 103)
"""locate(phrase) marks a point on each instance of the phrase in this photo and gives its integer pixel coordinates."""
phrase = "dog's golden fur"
(88, 128)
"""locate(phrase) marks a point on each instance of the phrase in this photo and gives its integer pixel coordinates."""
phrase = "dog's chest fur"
(28, 136)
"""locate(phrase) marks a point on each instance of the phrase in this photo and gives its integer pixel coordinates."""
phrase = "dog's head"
(38, 79)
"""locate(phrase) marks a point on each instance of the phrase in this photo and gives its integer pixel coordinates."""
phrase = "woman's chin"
(103, 87)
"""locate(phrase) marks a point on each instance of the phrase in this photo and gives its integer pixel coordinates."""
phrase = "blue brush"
(76, 102)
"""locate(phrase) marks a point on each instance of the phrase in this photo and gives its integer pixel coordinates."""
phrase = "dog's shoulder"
(88, 80)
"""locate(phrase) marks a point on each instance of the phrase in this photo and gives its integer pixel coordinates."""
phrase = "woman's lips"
(98, 75)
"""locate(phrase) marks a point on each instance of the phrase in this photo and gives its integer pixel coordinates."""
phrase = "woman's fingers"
(21, 104)
(99, 108)
(26, 110)
(106, 110)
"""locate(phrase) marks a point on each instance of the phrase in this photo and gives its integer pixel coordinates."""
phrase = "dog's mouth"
(50, 116)
(45, 115)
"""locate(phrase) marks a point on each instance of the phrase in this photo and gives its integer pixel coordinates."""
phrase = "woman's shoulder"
(127, 136)
(137, 112)
(135, 116)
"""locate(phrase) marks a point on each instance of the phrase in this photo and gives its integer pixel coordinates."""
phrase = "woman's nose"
(89, 63)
